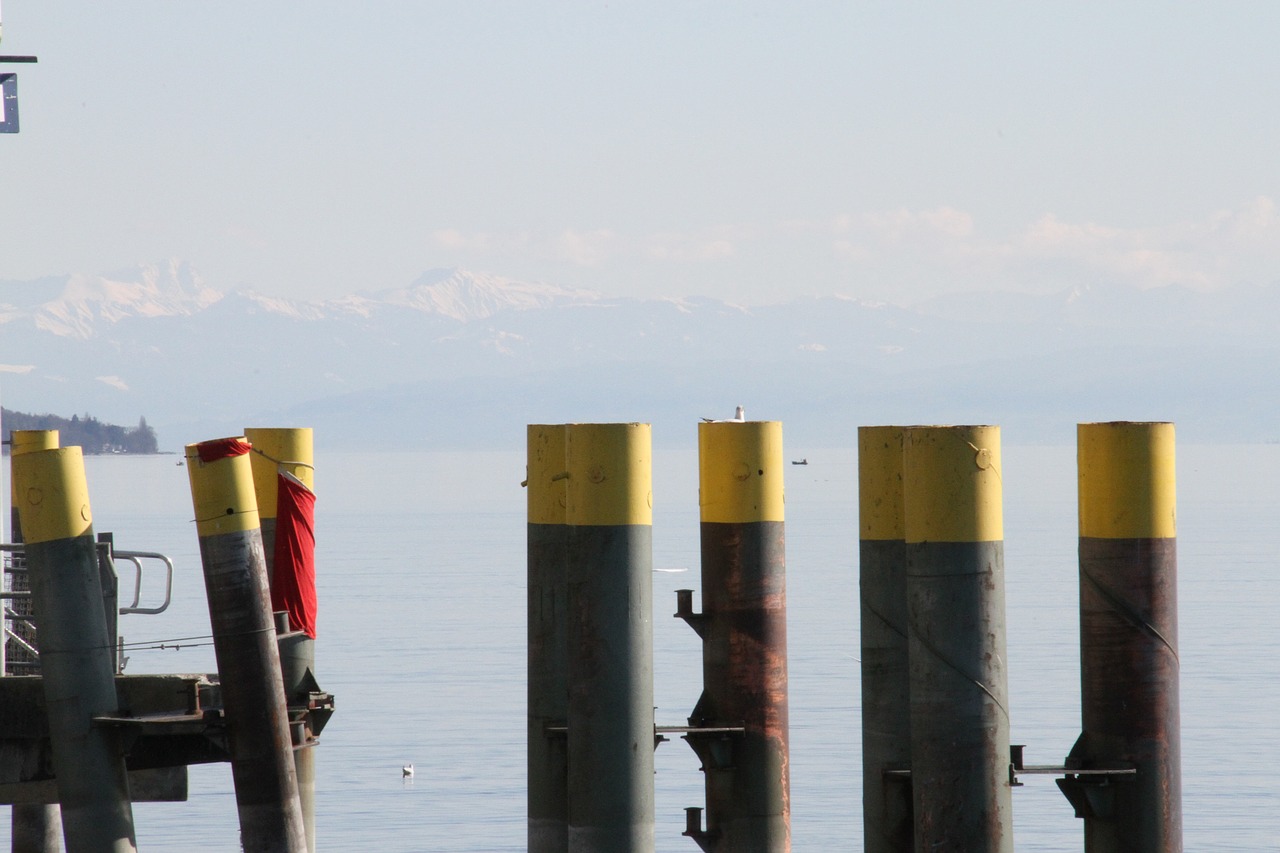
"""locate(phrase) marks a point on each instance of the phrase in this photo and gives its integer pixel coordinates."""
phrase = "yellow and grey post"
(886, 683)
(1128, 640)
(293, 451)
(244, 643)
(36, 827)
(953, 522)
(76, 655)
(547, 482)
(743, 626)
(610, 637)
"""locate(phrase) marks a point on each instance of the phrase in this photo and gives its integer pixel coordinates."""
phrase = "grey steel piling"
(548, 622)
(35, 827)
(960, 760)
(76, 654)
(1128, 640)
(244, 639)
(610, 638)
(743, 627)
(886, 683)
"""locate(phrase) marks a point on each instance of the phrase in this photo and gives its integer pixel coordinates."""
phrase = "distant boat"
(804, 461)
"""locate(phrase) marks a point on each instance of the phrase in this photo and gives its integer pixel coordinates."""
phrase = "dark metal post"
(35, 827)
(77, 656)
(548, 760)
(744, 631)
(610, 638)
(1128, 640)
(244, 642)
(960, 766)
(886, 684)
(292, 451)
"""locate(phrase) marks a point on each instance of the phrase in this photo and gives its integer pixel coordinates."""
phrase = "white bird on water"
(739, 417)
(407, 771)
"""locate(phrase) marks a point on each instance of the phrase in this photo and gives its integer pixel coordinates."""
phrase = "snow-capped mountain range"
(460, 358)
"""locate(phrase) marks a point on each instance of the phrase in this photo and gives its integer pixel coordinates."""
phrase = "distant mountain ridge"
(458, 358)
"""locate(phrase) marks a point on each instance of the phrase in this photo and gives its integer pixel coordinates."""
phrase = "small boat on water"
(804, 461)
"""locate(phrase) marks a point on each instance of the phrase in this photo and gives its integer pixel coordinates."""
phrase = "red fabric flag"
(293, 582)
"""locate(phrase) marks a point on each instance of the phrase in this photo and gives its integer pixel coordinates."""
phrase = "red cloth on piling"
(222, 448)
(293, 580)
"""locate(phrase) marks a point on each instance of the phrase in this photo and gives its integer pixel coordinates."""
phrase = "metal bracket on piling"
(693, 828)
(684, 610)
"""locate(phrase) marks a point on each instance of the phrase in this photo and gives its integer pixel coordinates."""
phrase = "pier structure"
(739, 728)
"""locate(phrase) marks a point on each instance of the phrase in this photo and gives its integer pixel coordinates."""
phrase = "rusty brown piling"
(548, 690)
(244, 641)
(1128, 641)
(740, 723)
(960, 760)
(886, 684)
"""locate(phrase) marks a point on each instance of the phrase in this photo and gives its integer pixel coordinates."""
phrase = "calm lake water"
(421, 562)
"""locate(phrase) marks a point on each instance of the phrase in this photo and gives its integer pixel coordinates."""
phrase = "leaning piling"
(244, 641)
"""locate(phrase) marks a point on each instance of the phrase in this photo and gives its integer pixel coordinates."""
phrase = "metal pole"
(548, 624)
(610, 638)
(886, 684)
(960, 763)
(744, 631)
(1128, 639)
(291, 451)
(34, 827)
(76, 655)
(244, 641)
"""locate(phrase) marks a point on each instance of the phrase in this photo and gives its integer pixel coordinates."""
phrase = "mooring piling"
(547, 483)
(739, 727)
(283, 464)
(76, 653)
(244, 641)
(35, 827)
(1128, 640)
(609, 513)
(886, 683)
(953, 524)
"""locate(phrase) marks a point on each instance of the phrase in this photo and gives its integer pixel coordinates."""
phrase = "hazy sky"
(747, 150)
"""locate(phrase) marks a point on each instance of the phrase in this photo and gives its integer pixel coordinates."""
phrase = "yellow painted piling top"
(222, 486)
(880, 483)
(1126, 480)
(25, 441)
(547, 474)
(277, 449)
(53, 495)
(952, 490)
(610, 474)
(740, 472)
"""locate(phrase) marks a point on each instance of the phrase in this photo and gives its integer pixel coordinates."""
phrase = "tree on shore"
(92, 435)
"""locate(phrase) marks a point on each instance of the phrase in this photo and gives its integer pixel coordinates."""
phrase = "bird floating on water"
(739, 417)
(407, 771)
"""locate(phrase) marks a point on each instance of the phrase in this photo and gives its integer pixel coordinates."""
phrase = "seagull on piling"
(739, 417)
